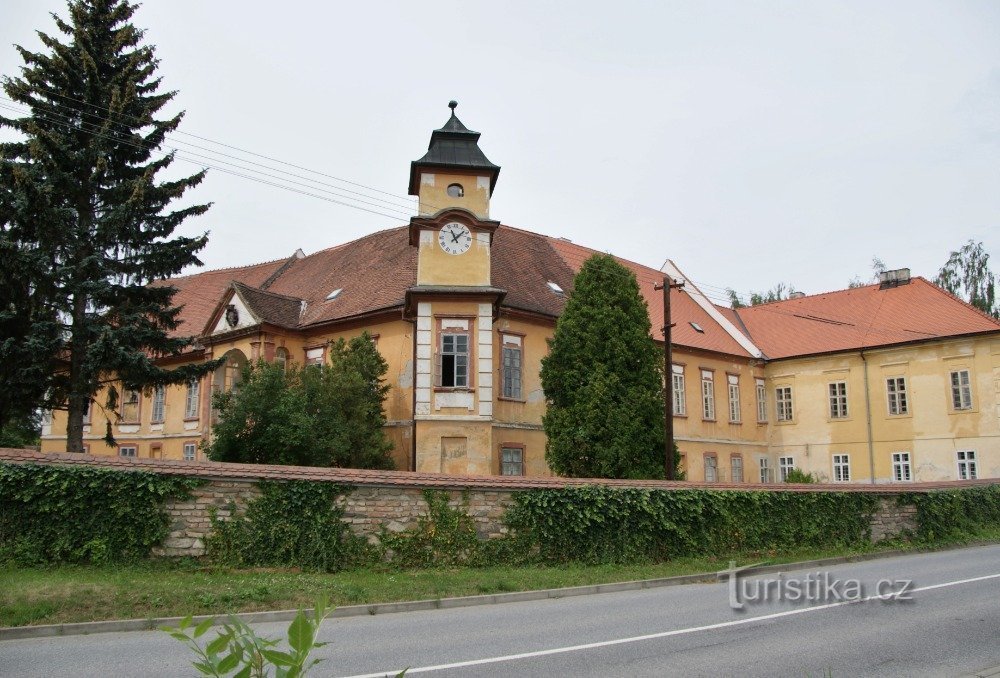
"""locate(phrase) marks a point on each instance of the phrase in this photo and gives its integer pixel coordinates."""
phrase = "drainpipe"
(868, 418)
(413, 402)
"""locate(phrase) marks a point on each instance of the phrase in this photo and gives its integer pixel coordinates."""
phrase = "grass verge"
(54, 595)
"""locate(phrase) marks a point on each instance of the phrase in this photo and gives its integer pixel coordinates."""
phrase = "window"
(511, 461)
(707, 394)
(455, 360)
(130, 407)
(127, 451)
(785, 464)
(736, 468)
(961, 390)
(314, 356)
(511, 367)
(680, 401)
(456, 191)
(192, 399)
(281, 357)
(159, 404)
(895, 388)
(734, 398)
(765, 471)
(841, 468)
(901, 467)
(761, 401)
(190, 451)
(967, 465)
(838, 400)
(783, 402)
(711, 468)
(86, 411)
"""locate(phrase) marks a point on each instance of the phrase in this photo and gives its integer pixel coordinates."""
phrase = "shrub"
(445, 535)
(947, 515)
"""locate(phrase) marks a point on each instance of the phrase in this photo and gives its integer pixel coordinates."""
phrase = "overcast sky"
(750, 142)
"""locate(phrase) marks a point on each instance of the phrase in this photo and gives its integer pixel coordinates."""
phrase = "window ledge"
(512, 400)
(454, 389)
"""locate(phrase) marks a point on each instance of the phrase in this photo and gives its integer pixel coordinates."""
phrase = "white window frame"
(190, 451)
(677, 383)
(192, 400)
(711, 468)
(734, 398)
(783, 404)
(159, 409)
(837, 392)
(123, 451)
(708, 395)
(736, 468)
(511, 367)
(842, 468)
(509, 465)
(902, 468)
(761, 401)
(897, 396)
(967, 466)
(785, 464)
(764, 465)
(961, 390)
(461, 362)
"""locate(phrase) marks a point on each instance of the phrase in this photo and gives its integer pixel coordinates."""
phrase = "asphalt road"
(949, 626)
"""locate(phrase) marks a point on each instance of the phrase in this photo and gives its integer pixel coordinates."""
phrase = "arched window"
(456, 191)
(281, 357)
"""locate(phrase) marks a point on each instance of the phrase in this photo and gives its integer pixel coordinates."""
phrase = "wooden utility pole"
(668, 374)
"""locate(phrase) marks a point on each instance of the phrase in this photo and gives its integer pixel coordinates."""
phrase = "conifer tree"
(603, 380)
(84, 225)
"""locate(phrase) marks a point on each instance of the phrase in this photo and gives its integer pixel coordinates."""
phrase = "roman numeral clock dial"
(455, 238)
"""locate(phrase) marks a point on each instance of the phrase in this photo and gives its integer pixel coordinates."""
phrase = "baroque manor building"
(892, 382)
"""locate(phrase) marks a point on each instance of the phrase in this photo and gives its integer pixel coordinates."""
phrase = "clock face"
(455, 238)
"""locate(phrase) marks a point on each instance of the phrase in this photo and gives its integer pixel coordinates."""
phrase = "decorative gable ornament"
(232, 315)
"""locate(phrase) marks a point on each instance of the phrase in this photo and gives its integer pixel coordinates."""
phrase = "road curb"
(126, 625)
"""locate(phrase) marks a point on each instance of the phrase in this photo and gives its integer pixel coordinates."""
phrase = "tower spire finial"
(452, 105)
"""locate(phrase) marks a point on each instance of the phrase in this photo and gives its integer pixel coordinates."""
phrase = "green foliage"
(20, 431)
(779, 292)
(237, 650)
(967, 274)
(86, 228)
(798, 476)
(293, 523)
(600, 525)
(59, 514)
(308, 416)
(603, 379)
(954, 515)
(445, 535)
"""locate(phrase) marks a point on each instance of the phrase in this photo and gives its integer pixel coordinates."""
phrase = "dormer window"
(456, 191)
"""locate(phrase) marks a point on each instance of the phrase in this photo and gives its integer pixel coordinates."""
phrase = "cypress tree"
(85, 224)
(603, 380)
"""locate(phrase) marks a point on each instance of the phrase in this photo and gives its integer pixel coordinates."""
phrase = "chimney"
(796, 295)
(894, 278)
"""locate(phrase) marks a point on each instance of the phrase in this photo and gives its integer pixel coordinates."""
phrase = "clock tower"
(453, 303)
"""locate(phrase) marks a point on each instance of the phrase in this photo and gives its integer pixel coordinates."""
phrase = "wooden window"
(454, 360)
(761, 401)
(708, 395)
(783, 402)
(842, 468)
(734, 398)
(677, 383)
(765, 471)
(86, 412)
(315, 355)
(510, 367)
(192, 399)
(785, 465)
(895, 389)
(901, 471)
(961, 390)
(967, 465)
(281, 357)
(159, 404)
(711, 467)
(838, 400)
(736, 468)
(190, 451)
(130, 407)
(127, 451)
(512, 460)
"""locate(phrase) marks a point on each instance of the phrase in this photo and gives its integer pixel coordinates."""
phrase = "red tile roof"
(220, 470)
(862, 317)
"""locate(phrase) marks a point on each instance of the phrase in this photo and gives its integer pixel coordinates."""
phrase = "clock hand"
(454, 235)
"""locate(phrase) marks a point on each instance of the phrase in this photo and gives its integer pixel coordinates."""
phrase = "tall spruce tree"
(603, 379)
(85, 224)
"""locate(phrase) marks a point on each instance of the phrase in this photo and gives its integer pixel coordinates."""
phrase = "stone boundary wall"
(394, 499)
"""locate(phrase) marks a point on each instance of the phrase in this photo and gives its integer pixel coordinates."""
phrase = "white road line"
(663, 634)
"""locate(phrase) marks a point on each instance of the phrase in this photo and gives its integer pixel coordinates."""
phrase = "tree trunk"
(78, 387)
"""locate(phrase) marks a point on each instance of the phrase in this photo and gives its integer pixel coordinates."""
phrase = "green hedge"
(949, 515)
(68, 514)
(595, 524)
